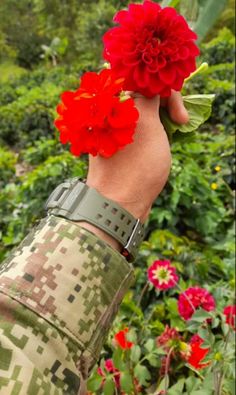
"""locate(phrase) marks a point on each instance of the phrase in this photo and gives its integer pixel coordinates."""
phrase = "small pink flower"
(193, 298)
(110, 368)
(162, 275)
(229, 312)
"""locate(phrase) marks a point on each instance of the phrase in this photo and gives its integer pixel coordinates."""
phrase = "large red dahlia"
(93, 119)
(153, 48)
(193, 298)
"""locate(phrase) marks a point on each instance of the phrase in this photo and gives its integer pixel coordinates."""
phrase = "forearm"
(59, 293)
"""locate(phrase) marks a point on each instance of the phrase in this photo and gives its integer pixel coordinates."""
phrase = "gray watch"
(76, 201)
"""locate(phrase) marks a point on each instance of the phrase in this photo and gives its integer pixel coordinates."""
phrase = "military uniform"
(59, 292)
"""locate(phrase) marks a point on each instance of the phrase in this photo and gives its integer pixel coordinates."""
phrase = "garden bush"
(219, 77)
(22, 203)
(7, 166)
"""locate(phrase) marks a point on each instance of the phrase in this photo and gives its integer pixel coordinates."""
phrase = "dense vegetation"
(191, 223)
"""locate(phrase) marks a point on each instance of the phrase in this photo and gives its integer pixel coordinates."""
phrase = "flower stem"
(166, 384)
(140, 299)
(220, 373)
(200, 69)
(190, 302)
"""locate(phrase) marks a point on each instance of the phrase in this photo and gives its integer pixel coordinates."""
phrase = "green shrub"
(207, 212)
(7, 166)
(29, 50)
(218, 78)
(7, 94)
(221, 48)
(41, 150)
(9, 70)
(30, 116)
(22, 204)
(28, 104)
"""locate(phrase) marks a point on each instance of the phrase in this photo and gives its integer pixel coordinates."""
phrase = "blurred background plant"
(44, 48)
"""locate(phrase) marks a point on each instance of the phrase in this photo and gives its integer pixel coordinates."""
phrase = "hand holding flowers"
(151, 52)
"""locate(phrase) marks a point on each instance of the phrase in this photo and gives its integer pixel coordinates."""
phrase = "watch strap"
(76, 201)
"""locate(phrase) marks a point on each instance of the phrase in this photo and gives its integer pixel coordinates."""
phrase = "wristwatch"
(77, 202)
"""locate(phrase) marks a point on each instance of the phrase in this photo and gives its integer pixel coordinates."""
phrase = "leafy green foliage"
(208, 16)
(7, 166)
(21, 204)
(28, 110)
(221, 48)
(218, 78)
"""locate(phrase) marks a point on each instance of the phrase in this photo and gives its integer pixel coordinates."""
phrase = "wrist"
(102, 235)
(133, 202)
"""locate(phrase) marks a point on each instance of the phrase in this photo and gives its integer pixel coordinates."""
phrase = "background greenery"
(45, 45)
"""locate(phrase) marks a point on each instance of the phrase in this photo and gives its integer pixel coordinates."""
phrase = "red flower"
(197, 353)
(169, 338)
(110, 368)
(93, 119)
(162, 275)
(229, 312)
(121, 340)
(153, 48)
(193, 298)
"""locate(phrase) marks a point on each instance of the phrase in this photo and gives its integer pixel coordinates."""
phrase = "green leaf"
(154, 360)
(170, 3)
(95, 382)
(118, 359)
(208, 16)
(164, 384)
(142, 374)
(177, 389)
(199, 108)
(109, 386)
(135, 353)
(150, 345)
(200, 316)
(189, 9)
(126, 382)
(192, 383)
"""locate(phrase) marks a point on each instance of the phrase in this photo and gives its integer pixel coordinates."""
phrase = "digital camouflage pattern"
(59, 292)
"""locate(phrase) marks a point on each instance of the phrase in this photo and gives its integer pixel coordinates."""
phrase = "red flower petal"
(151, 40)
(193, 298)
(197, 353)
(162, 275)
(230, 312)
(121, 340)
(93, 119)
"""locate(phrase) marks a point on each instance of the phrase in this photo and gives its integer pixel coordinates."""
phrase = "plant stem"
(179, 287)
(142, 294)
(140, 299)
(220, 374)
(167, 369)
(200, 69)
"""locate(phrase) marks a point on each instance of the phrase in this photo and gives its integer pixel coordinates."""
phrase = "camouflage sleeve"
(59, 292)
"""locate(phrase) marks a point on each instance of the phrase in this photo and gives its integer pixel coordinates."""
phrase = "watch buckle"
(135, 238)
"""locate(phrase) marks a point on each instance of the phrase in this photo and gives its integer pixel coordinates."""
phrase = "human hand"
(136, 175)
